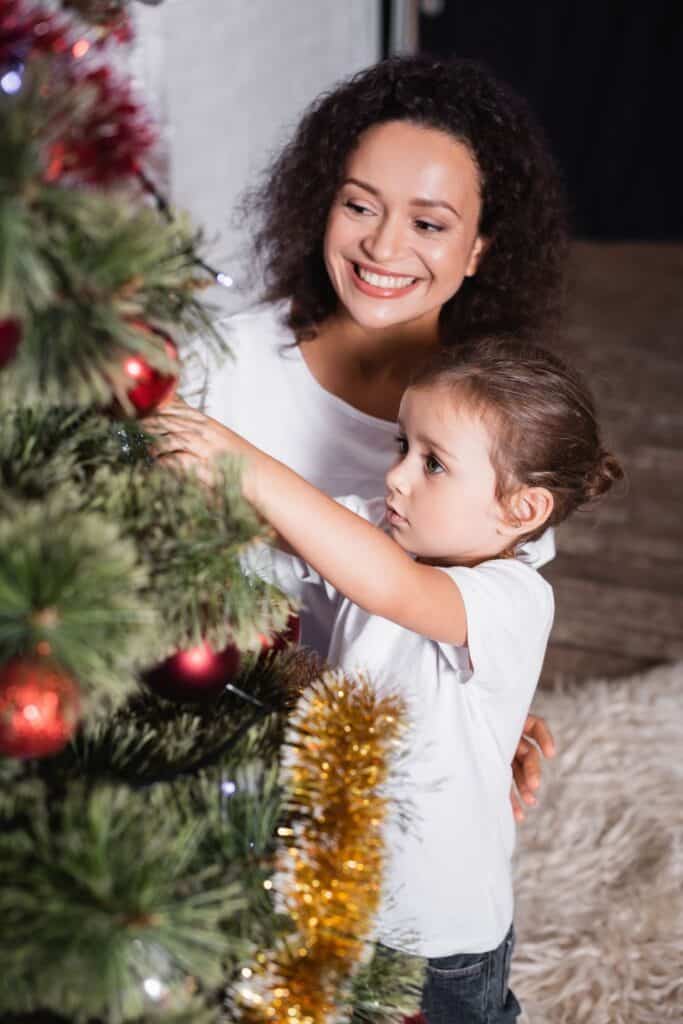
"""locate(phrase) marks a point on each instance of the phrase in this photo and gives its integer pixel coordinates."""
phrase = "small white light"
(225, 280)
(154, 988)
(11, 82)
(228, 787)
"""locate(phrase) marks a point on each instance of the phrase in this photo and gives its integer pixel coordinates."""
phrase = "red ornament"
(290, 636)
(195, 674)
(10, 336)
(39, 707)
(150, 388)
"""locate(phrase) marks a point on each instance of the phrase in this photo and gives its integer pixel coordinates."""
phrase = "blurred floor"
(618, 576)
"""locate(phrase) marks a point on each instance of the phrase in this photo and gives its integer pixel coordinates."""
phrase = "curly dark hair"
(517, 287)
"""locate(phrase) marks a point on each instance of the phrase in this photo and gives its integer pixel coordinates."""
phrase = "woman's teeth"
(380, 281)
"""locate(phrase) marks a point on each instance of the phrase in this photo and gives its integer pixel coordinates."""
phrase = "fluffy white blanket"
(599, 880)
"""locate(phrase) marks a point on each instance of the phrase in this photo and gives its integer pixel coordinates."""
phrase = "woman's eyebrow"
(362, 184)
(436, 202)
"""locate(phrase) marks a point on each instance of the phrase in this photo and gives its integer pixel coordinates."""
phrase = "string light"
(12, 80)
(154, 988)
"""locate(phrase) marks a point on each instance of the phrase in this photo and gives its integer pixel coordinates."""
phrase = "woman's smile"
(380, 283)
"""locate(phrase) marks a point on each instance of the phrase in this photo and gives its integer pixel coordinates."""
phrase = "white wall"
(229, 78)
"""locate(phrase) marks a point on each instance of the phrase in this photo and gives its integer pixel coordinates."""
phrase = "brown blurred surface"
(618, 575)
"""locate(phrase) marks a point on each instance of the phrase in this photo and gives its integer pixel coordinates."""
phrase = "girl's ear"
(527, 509)
(480, 246)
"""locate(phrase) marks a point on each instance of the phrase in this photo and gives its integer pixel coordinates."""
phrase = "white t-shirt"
(448, 883)
(268, 395)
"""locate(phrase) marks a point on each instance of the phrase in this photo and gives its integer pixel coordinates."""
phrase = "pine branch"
(69, 583)
(387, 989)
(190, 538)
(106, 888)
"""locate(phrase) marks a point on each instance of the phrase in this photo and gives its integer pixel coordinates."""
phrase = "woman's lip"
(373, 290)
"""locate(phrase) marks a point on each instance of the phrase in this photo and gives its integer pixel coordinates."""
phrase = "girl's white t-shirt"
(267, 393)
(447, 884)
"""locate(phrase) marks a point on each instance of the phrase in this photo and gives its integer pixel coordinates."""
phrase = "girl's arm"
(357, 558)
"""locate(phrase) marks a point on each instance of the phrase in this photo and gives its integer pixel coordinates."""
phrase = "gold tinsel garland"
(340, 747)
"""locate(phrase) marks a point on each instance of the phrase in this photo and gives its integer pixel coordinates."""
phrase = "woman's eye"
(427, 226)
(356, 207)
(433, 465)
(402, 445)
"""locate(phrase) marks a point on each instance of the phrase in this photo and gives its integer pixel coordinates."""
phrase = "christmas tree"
(191, 810)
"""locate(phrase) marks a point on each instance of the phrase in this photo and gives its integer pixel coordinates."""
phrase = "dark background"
(606, 81)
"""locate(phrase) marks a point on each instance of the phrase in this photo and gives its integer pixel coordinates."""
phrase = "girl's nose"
(384, 242)
(397, 477)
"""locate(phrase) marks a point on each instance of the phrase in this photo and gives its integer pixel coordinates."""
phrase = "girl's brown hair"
(541, 417)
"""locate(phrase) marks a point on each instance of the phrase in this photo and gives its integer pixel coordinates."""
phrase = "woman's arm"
(357, 558)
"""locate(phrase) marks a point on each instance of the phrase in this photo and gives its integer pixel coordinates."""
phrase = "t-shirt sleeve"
(509, 609)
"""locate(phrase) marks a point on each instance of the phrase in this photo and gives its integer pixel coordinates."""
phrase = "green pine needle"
(69, 580)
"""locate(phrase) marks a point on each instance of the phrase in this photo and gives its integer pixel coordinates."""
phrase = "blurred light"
(197, 659)
(228, 787)
(80, 48)
(224, 279)
(154, 988)
(134, 367)
(11, 82)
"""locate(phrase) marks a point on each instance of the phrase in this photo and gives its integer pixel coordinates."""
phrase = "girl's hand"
(188, 438)
(526, 766)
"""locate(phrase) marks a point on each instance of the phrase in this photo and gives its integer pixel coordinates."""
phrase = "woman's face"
(402, 232)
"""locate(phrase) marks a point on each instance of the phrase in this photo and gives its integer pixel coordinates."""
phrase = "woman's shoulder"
(262, 325)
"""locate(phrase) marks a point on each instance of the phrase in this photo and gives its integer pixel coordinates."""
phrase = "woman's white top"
(447, 886)
(267, 393)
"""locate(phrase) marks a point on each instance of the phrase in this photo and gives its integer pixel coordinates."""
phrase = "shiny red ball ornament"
(290, 636)
(150, 388)
(10, 337)
(39, 707)
(197, 674)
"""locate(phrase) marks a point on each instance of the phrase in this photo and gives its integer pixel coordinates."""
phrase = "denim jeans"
(471, 988)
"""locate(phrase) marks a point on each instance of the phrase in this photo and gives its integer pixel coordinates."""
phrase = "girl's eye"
(432, 465)
(428, 227)
(402, 445)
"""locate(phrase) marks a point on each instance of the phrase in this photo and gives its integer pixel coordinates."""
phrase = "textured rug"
(599, 879)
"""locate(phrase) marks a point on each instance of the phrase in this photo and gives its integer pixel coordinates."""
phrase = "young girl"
(414, 206)
(429, 591)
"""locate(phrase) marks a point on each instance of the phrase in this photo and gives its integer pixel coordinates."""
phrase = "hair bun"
(602, 475)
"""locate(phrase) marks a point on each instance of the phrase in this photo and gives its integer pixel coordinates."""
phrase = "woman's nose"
(384, 242)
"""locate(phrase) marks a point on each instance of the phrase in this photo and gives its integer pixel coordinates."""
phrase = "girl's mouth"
(381, 286)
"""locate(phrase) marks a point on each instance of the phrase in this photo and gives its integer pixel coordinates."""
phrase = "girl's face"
(441, 492)
(403, 231)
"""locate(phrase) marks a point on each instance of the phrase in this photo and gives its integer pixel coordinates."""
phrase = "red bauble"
(39, 707)
(197, 674)
(10, 336)
(290, 636)
(150, 388)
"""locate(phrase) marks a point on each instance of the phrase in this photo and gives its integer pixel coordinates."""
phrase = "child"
(430, 594)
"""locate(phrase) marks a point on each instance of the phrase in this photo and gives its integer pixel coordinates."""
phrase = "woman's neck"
(368, 368)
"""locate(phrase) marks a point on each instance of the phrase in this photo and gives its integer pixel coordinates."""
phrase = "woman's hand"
(526, 766)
